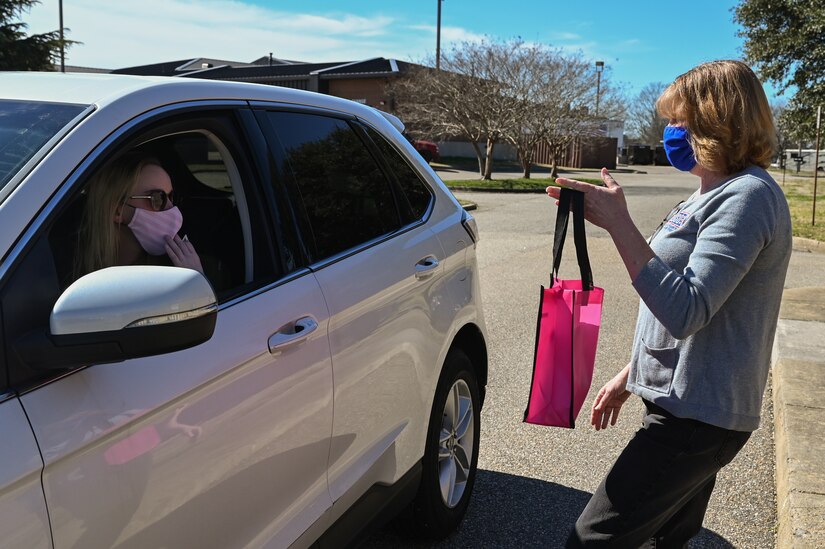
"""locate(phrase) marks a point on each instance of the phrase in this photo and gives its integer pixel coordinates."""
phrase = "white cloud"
(121, 34)
(564, 36)
(450, 34)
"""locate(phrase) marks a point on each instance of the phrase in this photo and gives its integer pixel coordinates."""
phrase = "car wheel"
(427, 156)
(451, 453)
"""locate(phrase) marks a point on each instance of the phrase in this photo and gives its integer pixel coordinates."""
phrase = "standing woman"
(710, 281)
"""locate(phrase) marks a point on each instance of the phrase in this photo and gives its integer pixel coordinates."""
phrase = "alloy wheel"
(455, 443)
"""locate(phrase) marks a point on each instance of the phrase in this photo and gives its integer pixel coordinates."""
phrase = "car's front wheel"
(451, 453)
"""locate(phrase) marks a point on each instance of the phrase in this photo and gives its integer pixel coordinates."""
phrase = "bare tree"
(466, 98)
(490, 91)
(553, 94)
(644, 123)
(534, 78)
(568, 109)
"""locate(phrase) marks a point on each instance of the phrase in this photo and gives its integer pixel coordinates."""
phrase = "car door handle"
(426, 267)
(291, 333)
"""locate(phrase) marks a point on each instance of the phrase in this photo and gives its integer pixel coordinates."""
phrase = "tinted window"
(346, 197)
(416, 192)
(25, 127)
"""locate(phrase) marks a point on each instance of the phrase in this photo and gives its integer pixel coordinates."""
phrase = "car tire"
(453, 432)
(427, 156)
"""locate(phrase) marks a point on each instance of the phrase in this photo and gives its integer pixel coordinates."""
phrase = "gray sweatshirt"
(710, 303)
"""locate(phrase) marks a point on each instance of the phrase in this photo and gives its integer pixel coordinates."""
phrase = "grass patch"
(510, 184)
(799, 192)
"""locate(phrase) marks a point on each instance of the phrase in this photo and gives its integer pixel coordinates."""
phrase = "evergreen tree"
(785, 40)
(21, 52)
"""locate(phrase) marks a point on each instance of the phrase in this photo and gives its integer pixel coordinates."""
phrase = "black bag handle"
(580, 239)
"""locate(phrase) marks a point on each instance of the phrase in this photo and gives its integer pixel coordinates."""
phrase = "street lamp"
(599, 70)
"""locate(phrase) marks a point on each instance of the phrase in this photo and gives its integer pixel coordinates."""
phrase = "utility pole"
(62, 47)
(438, 38)
(816, 160)
(599, 69)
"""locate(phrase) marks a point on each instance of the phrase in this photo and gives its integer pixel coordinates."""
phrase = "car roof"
(103, 89)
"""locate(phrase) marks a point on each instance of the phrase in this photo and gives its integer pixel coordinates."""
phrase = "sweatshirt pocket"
(656, 367)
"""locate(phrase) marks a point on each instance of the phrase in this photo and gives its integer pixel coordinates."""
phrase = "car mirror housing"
(119, 298)
(119, 313)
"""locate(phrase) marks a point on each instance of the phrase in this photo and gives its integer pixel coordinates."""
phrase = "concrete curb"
(807, 244)
(495, 190)
(798, 384)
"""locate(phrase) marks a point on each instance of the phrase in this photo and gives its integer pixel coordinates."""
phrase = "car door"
(380, 270)
(24, 522)
(224, 444)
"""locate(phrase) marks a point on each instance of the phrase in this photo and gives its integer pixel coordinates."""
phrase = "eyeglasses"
(157, 198)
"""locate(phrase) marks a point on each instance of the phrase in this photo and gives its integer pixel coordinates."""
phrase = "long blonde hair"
(99, 236)
(727, 115)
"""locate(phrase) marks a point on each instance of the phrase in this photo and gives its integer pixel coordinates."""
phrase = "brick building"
(363, 81)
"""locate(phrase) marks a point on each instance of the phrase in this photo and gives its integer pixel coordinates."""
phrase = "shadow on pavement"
(505, 511)
(509, 511)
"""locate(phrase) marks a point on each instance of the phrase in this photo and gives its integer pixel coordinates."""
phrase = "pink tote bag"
(567, 330)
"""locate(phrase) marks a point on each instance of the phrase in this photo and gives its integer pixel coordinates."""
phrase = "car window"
(203, 160)
(345, 196)
(25, 126)
(210, 217)
(415, 191)
(214, 187)
(213, 220)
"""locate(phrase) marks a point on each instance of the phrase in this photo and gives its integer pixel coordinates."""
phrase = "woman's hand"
(603, 206)
(607, 208)
(609, 400)
(183, 254)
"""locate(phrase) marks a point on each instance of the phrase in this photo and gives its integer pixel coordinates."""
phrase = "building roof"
(266, 60)
(178, 68)
(75, 68)
(167, 68)
(261, 69)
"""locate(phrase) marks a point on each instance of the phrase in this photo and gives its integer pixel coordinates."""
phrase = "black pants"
(657, 492)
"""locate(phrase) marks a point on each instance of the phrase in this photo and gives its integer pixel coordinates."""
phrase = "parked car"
(427, 149)
(325, 372)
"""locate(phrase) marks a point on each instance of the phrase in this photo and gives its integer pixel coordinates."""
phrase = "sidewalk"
(799, 414)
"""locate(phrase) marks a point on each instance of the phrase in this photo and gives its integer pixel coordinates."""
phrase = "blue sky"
(640, 41)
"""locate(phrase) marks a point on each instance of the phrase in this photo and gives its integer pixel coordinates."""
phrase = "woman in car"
(130, 218)
(710, 281)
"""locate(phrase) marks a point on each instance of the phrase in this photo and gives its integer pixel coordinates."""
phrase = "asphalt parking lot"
(533, 481)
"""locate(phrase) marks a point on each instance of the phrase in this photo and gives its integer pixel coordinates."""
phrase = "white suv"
(324, 373)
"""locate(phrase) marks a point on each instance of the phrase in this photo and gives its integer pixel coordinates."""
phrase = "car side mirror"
(119, 313)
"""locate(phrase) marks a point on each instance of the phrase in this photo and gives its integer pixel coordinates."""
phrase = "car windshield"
(25, 127)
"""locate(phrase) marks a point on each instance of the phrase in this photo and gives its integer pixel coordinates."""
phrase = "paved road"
(533, 481)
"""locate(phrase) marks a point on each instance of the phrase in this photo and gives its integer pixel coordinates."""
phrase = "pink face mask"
(153, 228)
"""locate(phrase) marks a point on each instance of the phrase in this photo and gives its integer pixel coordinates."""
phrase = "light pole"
(599, 69)
(438, 38)
(816, 160)
(62, 47)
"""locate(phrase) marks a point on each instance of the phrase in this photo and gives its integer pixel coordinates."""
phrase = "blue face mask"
(678, 149)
